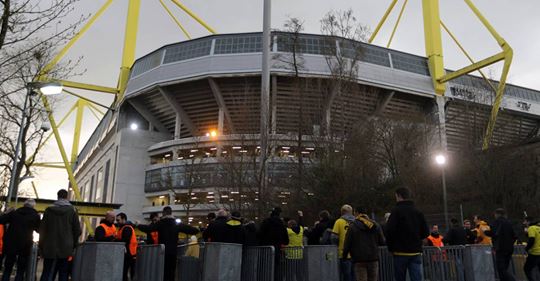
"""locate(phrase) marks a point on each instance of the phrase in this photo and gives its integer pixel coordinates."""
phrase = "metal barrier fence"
(518, 262)
(258, 263)
(209, 262)
(322, 263)
(386, 265)
(150, 263)
(98, 261)
(290, 265)
(444, 264)
(309, 263)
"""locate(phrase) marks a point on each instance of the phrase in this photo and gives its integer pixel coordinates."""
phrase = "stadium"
(191, 116)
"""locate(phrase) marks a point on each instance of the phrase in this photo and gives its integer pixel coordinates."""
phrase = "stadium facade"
(192, 109)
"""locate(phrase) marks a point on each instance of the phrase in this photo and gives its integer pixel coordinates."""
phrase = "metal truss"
(433, 27)
(82, 103)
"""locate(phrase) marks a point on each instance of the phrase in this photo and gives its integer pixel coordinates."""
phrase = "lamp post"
(440, 159)
(45, 88)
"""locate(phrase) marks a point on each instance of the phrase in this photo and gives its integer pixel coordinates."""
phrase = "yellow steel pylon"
(128, 58)
(434, 53)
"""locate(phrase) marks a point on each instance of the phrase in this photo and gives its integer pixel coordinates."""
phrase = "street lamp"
(45, 88)
(441, 159)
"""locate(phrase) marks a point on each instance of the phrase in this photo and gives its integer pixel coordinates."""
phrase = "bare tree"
(30, 32)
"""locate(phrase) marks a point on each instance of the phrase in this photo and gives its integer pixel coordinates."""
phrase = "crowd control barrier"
(150, 263)
(386, 265)
(98, 261)
(479, 264)
(258, 263)
(209, 262)
(444, 264)
(321, 263)
(309, 263)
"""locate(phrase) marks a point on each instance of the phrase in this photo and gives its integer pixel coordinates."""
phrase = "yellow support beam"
(75, 38)
(67, 164)
(454, 38)
(90, 102)
(382, 21)
(94, 113)
(509, 54)
(81, 104)
(96, 109)
(397, 23)
(194, 16)
(130, 43)
(473, 67)
(45, 165)
(89, 87)
(486, 23)
(433, 38)
(51, 134)
(83, 208)
(175, 19)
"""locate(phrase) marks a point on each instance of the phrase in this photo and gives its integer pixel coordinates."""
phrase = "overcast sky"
(516, 20)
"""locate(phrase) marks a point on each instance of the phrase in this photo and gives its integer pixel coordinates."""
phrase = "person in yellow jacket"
(294, 252)
(481, 228)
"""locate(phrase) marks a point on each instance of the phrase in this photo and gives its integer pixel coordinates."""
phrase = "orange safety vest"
(132, 242)
(1, 239)
(154, 236)
(437, 242)
(109, 230)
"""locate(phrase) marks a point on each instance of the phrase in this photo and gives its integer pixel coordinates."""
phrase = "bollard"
(95, 261)
(150, 263)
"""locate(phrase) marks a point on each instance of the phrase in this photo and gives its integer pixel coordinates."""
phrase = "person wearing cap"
(19, 238)
(236, 231)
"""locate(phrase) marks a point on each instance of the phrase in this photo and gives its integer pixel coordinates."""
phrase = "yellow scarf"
(365, 220)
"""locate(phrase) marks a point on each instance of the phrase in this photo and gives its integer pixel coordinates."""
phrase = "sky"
(101, 47)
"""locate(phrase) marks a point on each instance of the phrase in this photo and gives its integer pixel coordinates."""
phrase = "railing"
(232, 262)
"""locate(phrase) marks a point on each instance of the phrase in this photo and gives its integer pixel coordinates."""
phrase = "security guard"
(106, 231)
(126, 234)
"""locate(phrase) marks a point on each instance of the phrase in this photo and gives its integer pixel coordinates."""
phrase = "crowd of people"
(358, 237)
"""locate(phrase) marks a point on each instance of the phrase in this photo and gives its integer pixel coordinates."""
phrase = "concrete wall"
(130, 173)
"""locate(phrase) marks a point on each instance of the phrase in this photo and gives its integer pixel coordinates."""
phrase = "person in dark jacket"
(362, 241)
(251, 234)
(236, 232)
(19, 238)
(274, 233)
(217, 230)
(59, 233)
(168, 229)
(406, 229)
(471, 236)
(126, 234)
(324, 225)
(152, 238)
(503, 238)
(456, 235)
